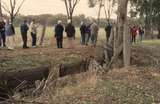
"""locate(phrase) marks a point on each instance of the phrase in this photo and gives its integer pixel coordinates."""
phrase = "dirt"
(137, 84)
(146, 55)
(21, 59)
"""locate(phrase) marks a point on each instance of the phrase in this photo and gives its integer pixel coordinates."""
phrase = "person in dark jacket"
(2, 34)
(141, 33)
(70, 31)
(59, 34)
(88, 33)
(108, 30)
(24, 29)
(83, 32)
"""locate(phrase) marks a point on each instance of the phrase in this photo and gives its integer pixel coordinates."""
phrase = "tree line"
(51, 20)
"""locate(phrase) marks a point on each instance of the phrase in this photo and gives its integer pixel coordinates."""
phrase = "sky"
(36, 7)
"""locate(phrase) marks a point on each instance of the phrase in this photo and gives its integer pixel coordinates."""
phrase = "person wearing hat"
(70, 31)
(59, 34)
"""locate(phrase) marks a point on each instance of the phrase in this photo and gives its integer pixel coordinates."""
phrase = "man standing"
(33, 30)
(88, 33)
(2, 33)
(70, 31)
(59, 34)
(83, 32)
(24, 29)
(108, 30)
(94, 33)
(141, 33)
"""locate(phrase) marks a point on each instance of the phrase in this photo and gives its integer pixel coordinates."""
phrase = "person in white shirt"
(33, 31)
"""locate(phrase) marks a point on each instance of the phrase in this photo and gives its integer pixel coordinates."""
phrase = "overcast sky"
(35, 7)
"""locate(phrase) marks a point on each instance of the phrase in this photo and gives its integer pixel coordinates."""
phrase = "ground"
(137, 84)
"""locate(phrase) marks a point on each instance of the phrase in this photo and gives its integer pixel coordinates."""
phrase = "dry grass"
(66, 92)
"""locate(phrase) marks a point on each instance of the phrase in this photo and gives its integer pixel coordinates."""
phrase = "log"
(14, 79)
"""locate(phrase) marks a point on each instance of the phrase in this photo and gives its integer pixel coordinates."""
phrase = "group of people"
(89, 32)
(24, 28)
(70, 31)
(7, 33)
(135, 32)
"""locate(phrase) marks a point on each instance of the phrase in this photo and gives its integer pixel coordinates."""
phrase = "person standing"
(59, 34)
(83, 32)
(108, 30)
(88, 33)
(2, 33)
(134, 34)
(141, 33)
(70, 31)
(10, 33)
(94, 33)
(33, 31)
(24, 29)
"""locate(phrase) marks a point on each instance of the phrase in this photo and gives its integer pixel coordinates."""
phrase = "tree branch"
(5, 8)
(66, 5)
(19, 7)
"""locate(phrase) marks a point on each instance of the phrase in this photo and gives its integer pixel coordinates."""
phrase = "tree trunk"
(43, 34)
(126, 46)
(148, 32)
(99, 12)
(1, 14)
(11, 18)
(158, 32)
(119, 44)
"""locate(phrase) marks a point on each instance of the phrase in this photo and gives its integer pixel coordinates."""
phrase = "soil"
(137, 84)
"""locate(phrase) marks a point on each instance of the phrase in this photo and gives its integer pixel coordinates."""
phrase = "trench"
(23, 80)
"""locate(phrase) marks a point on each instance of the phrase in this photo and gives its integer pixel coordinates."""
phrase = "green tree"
(146, 9)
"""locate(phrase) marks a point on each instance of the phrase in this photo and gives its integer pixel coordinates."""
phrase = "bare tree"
(102, 6)
(70, 7)
(13, 8)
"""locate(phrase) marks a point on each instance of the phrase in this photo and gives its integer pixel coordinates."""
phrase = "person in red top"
(134, 34)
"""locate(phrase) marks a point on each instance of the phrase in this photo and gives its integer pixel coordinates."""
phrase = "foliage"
(52, 19)
(150, 9)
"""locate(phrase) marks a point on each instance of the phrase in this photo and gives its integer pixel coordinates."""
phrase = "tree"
(70, 7)
(145, 9)
(102, 6)
(119, 40)
(13, 8)
(1, 8)
(156, 15)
